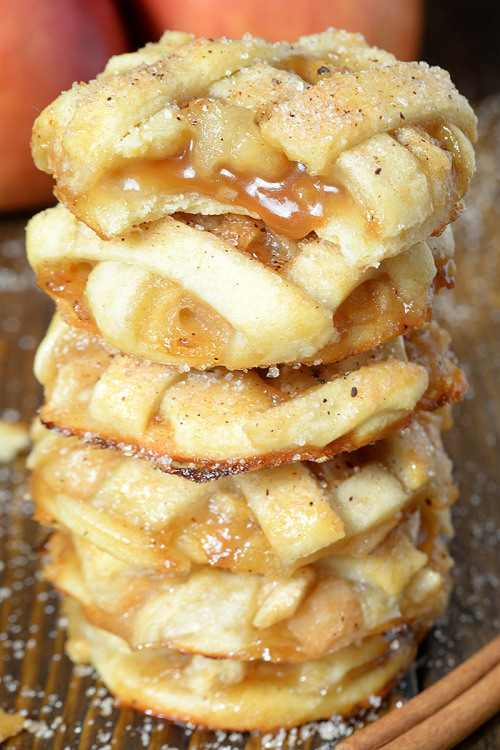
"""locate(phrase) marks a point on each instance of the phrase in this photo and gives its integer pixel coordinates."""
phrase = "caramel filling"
(225, 534)
(450, 142)
(445, 274)
(291, 203)
(217, 150)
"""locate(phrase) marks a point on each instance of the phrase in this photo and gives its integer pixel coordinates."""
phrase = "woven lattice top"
(244, 695)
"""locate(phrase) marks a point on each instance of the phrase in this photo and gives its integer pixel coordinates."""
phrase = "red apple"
(394, 25)
(45, 45)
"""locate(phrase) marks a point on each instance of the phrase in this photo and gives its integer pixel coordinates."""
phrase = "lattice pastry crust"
(317, 610)
(227, 291)
(158, 521)
(326, 135)
(225, 694)
(207, 423)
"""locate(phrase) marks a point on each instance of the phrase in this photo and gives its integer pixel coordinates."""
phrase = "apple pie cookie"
(244, 695)
(206, 423)
(227, 291)
(318, 609)
(325, 137)
(163, 522)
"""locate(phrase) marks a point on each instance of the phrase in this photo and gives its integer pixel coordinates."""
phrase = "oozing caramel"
(445, 274)
(293, 203)
(226, 535)
(65, 283)
(449, 141)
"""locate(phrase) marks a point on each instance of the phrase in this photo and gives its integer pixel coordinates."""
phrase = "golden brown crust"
(227, 206)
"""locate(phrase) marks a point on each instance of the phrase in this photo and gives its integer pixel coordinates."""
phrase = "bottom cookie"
(241, 696)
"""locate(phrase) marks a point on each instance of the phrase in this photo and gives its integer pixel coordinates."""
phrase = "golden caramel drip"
(449, 142)
(445, 274)
(65, 283)
(231, 540)
(292, 204)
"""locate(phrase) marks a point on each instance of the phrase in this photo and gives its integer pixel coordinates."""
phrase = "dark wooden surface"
(67, 707)
(464, 38)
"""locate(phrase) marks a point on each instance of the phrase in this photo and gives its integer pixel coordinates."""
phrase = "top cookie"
(327, 135)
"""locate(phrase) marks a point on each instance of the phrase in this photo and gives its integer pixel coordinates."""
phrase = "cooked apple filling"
(280, 192)
(240, 446)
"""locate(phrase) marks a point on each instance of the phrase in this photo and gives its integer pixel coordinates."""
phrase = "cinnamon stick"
(447, 727)
(400, 721)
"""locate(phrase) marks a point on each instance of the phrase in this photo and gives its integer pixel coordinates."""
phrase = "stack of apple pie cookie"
(240, 443)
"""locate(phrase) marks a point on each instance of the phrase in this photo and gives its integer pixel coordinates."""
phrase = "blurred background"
(45, 45)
